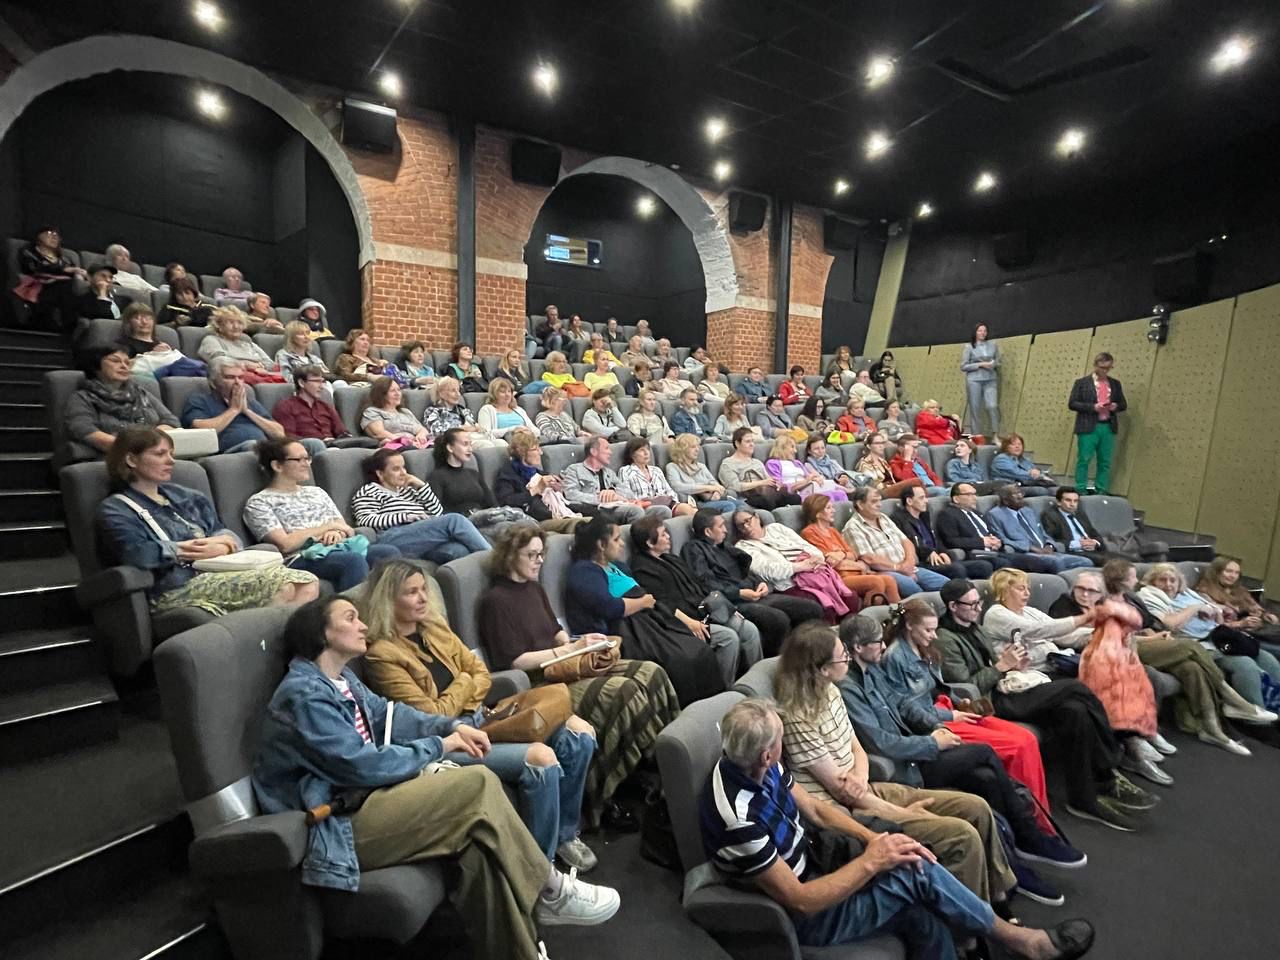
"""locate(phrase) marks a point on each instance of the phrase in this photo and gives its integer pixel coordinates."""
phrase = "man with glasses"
(1098, 400)
(308, 414)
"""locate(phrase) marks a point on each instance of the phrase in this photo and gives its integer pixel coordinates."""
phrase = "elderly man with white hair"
(240, 421)
(119, 257)
(233, 290)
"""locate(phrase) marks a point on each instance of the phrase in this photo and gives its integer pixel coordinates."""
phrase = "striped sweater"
(382, 508)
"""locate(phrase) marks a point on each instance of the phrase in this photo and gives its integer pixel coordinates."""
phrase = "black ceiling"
(979, 84)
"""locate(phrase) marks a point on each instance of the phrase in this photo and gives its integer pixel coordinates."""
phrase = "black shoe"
(619, 819)
(1072, 938)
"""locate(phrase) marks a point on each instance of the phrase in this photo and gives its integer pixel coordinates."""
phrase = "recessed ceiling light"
(545, 78)
(207, 14)
(716, 127)
(389, 83)
(878, 144)
(723, 169)
(646, 206)
(924, 211)
(1233, 52)
(1071, 142)
(841, 186)
(684, 6)
(211, 104)
(986, 181)
(879, 70)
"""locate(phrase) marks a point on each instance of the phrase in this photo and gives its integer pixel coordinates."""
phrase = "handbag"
(1020, 681)
(1234, 643)
(529, 716)
(585, 665)
(719, 608)
(1061, 665)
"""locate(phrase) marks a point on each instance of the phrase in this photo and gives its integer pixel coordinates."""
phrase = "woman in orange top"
(819, 515)
(855, 420)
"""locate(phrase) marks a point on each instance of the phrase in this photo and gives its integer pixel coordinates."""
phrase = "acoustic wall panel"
(944, 379)
(913, 367)
(1172, 450)
(1013, 369)
(1238, 498)
(1044, 421)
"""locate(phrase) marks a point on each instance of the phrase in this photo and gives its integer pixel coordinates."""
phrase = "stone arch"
(97, 55)
(710, 238)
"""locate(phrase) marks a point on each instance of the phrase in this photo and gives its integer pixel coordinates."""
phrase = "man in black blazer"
(1066, 522)
(913, 521)
(961, 527)
(1098, 401)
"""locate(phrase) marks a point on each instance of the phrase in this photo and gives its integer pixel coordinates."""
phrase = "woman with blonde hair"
(560, 376)
(1041, 634)
(553, 423)
(854, 420)
(298, 350)
(796, 477)
(501, 414)
(1220, 582)
(732, 417)
(689, 476)
(511, 368)
(647, 422)
(933, 426)
(414, 658)
(818, 515)
(228, 341)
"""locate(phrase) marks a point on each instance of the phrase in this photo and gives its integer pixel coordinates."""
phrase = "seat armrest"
(955, 553)
(506, 683)
(112, 584)
(879, 769)
(274, 842)
(963, 691)
(740, 914)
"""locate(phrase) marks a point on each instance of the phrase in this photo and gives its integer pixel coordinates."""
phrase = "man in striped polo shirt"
(754, 817)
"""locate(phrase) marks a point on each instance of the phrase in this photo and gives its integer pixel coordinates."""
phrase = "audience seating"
(1113, 516)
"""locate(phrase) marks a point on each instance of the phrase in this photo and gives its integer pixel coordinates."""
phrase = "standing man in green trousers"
(1098, 401)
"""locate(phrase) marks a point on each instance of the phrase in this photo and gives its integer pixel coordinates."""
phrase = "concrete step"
(30, 505)
(26, 471)
(25, 439)
(58, 717)
(33, 659)
(33, 538)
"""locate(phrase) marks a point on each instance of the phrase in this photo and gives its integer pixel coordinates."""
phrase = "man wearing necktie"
(1066, 522)
(1019, 527)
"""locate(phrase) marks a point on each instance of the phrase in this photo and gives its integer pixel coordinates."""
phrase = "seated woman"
(521, 483)
(831, 390)
(262, 316)
(577, 338)
(824, 757)
(817, 458)
(559, 375)
(788, 564)
(794, 389)
(302, 521)
(298, 350)
(884, 375)
(322, 734)
(842, 362)
(641, 379)
(1185, 613)
(601, 596)
(459, 486)
(1220, 582)
(744, 477)
(932, 426)
(812, 418)
(1040, 634)
(313, 314)
(185, 308)
(711, 386)
(602, 377)
(906, 466)
(46, 275)
(356, 365)
(463, 368)
(964, 467)
(386, 421)
(690, 478)
(138, 332)
(228, 341)
(599, 347)
(641, 480)
(773, 419)
(894, 422)
(415, 659)
(647, 421)
(501, 414)
(854, 420)
(818, 513)
(109, 402)
(450, 413)
(796, 477)
(1011, 465)
(413, 361)
(405, 512)
(628, 702)
(553, 422)
(672, 384)
(511, 368)
(873, 464)
(662, 353)
(163, 528)
(732, 418)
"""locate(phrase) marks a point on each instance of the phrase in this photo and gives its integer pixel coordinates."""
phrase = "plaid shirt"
(882, 540)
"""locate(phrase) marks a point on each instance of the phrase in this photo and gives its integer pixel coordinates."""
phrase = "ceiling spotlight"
(211, 104)
(716, 127)
(986, 181)
(1233, 52)
(841, 187)
(389, 83)
(924, 211)
(879, 70)
(878, 144)
(722, 169)
(207, 14)
(545, 78)
(646, 206)
(684, 6)
(1070, 143)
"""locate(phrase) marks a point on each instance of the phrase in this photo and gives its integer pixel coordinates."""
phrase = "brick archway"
(98, 55)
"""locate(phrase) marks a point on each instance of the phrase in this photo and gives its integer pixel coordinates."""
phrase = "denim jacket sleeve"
(874, 731)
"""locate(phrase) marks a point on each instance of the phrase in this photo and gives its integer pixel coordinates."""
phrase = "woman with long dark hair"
(981, 363)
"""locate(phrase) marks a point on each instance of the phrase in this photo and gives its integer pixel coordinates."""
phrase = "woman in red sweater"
(795, 390)
(933, 427)
(904, 466)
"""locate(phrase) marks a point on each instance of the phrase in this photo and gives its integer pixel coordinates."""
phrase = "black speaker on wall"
(839, 233)
(1183, 277)
(368, 126)
(534, 162)
(1012, 250)
(746, 211)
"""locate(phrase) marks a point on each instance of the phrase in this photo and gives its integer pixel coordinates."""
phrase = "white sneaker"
(1145, 751)
(580, 904)
(1252, 715)
(1226, 743)
(577, 855)
(1147, 769)
(1162, 745)
(542, 952)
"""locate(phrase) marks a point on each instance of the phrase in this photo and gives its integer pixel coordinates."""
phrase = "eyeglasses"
(968, 603)
(535, 557)
(297, 459)
(1088, 591)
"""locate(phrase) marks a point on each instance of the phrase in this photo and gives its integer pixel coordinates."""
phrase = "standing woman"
(980, 363)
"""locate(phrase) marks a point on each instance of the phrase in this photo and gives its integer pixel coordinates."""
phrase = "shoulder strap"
(145, 515)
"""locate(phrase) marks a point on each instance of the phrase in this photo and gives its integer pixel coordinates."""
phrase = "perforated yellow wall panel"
(945, 379)
(913, 366)
(1054, 363)
(1172, 449)
(1013, 368)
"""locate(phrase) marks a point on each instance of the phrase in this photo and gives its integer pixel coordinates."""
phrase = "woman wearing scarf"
(109, 402)
(521, 483)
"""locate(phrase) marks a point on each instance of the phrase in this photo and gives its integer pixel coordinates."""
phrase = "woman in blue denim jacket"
(965, 468)
(324, 733)
(1011, 465)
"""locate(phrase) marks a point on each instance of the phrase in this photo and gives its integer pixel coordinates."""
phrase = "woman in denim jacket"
(324, 730)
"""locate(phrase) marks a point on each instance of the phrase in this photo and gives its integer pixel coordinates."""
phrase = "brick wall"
(413, 193)
(410, 301)
(810, 264)
(741, 337)
(500, 316)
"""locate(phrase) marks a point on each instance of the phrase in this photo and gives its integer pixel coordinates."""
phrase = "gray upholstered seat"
(233, 479)
(1113, 517)
(101, 333)
(57, 388)
(1046, 588)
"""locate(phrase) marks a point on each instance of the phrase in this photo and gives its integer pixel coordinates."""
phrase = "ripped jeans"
(549, 799)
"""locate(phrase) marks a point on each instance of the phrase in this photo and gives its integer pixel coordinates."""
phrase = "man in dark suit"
(1098, 401)
(961, 527)
(99, 302)
(1066, 522)
(913, 521)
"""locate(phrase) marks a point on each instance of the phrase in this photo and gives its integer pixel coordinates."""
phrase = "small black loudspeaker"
(1183, 277)
(534, 162)
(1012, 250)
(368, 126)
(746, 211)
(839, 233)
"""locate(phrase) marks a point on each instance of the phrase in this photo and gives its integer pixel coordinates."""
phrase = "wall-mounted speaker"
(535, 162)
(1183, 277)
(368, 126)
(1012, 250)
(746, 211)
(839, 233)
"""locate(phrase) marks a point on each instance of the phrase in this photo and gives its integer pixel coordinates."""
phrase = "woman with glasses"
(874, 464)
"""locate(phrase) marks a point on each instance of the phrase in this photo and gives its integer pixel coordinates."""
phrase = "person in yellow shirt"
(598, 348)
(603, 377)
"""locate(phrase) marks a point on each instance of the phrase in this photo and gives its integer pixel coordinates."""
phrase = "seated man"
(99, 302)
(645, 334)
(604, 419)
(882, 546)
(863, 389)
(754, 389)
(308, 414)
(119, 257)
(233, 290)
(755, 822)
(689, 418)
(1019, 527)
(240, 421)
(913, 521)
(592, 484)
(961, 527)
(1066, 522)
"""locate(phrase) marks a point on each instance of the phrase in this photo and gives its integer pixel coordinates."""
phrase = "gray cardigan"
(975, 353)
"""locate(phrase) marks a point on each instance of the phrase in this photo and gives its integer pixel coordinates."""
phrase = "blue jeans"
(438, 539)
(929, 579)
(920, 906)
(549, 798)
(1063, 561)
(724, 506)
(907, 586)
(344, 569)
(1245, 673)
